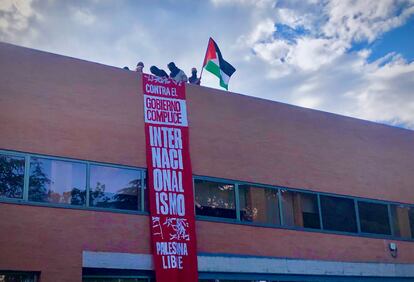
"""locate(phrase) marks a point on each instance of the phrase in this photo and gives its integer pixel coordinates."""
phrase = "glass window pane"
(115, 188)
(109, 279)
(56, 181)
(401, 221)
(374, 218)
(411, 216)
(17, 277)
(338, 214)
(11, 176)
(300, 209)
(258, 204)
(146, 191)
(214, 199)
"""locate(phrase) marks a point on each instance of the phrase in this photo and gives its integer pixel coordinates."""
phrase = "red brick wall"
(51, 240)
(62, 106)
(261, 241)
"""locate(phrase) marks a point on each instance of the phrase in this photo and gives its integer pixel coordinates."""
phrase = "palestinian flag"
(214, 63)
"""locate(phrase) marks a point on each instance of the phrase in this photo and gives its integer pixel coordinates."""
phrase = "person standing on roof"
(193, 79)
(158, 72)
(140, 67)
(176, 74)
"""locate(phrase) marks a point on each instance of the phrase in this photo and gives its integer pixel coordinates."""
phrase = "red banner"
(170, 180)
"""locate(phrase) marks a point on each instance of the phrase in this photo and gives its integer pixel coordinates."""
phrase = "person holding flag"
(214, 63)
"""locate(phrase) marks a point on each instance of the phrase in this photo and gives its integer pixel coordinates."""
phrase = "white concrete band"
(234, 264)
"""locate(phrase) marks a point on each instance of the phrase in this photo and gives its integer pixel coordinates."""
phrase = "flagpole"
(202, 67)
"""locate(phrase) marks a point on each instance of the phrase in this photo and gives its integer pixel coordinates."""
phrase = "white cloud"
(263, 31)
(14, 17)
(309, 54)
(255, 3)
(83, 16)
(350, 20)
(316, 69)
(309, 101)
(386, 94)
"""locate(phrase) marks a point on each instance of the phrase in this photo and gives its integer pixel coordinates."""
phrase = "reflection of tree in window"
(56, 181)
(17, 277)
(38, 181)
(11, 176)
(125, 198)
(115, 188)
(214, 199)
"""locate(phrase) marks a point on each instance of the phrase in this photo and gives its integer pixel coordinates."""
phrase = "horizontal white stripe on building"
(259, 265)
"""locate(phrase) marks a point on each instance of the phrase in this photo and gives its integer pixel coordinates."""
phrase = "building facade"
(282, 193)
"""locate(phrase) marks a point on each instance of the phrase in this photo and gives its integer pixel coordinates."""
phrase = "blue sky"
(354, 58)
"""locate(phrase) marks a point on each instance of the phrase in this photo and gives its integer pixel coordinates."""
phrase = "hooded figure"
(176, 74)
(193, 79)
(140, 67)
(157, 72)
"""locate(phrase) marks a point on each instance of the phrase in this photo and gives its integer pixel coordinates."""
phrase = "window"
(411, 216)
(146, 192)
(56, 181)
(259, 204)
(11, 176)
(115, 280)
(116, 188)
(214, 199)
(17, 277)
(338, 214)
(374, 218)
(300, 209)
(401, 221)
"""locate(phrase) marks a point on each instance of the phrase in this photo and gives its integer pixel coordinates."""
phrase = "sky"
(354, 58)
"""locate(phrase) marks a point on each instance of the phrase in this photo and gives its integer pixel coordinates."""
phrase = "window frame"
(298, 228)
(25, 199)
(318, 206)
(55, 159)
(35, 275)
(354, 210)
(389, 216)
(140, 201)
(148, 279)
(236, 183)
(19, 155)
(260, 186)
(236, 199)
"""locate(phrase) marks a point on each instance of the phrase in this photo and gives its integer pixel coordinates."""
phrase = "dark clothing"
(174, 70)
(176, 74)
(158, 72)
(194, 80)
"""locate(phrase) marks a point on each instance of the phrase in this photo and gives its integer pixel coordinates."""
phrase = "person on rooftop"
(176, 74)
(193, 79)
(158, 72)
(140, 67)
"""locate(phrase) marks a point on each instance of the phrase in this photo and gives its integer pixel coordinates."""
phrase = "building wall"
(62, 106)
(51, 241)
(66, 107)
